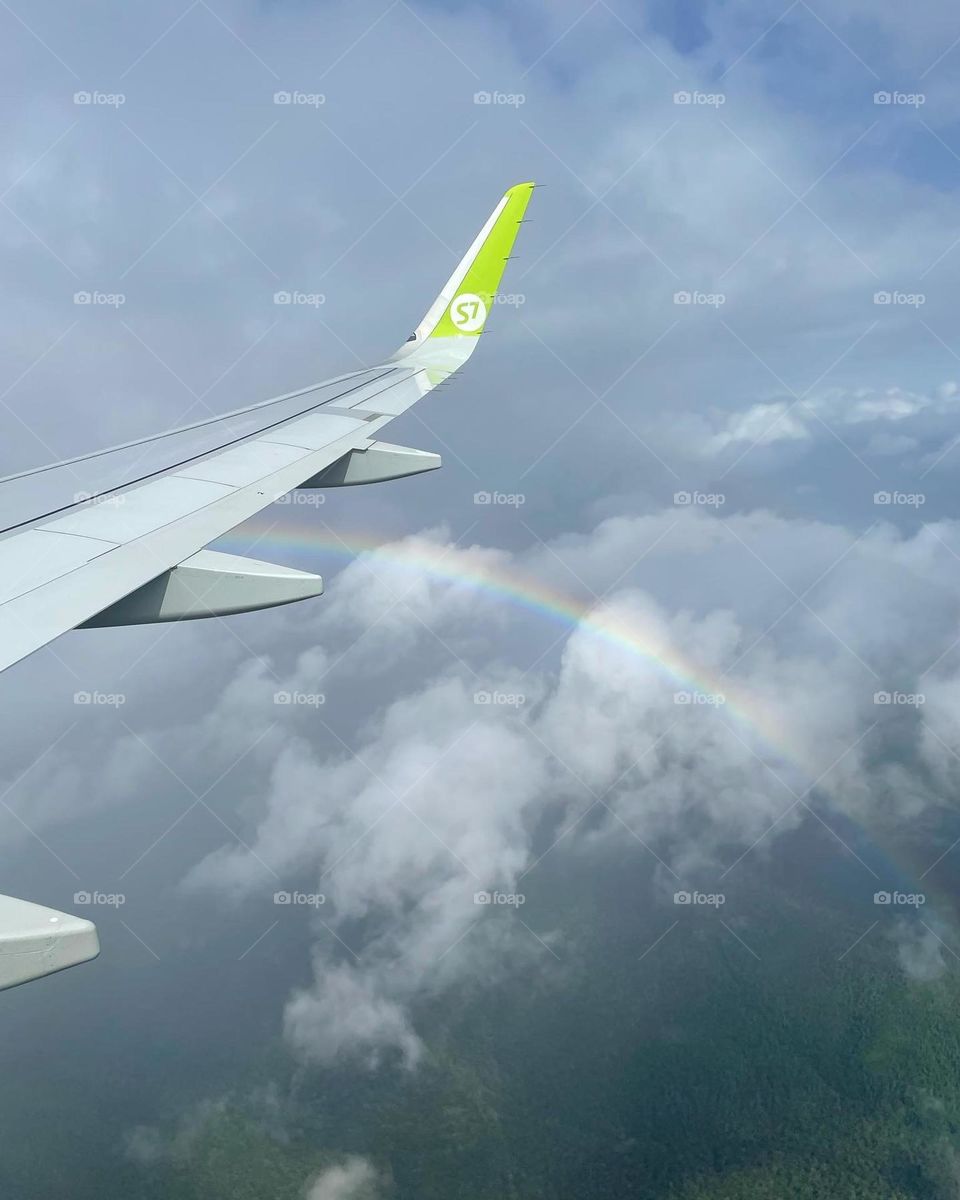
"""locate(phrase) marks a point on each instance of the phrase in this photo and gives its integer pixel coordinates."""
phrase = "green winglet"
(466, 314)
(462, 308)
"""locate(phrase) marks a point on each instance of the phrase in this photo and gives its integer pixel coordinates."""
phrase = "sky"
(689, 574)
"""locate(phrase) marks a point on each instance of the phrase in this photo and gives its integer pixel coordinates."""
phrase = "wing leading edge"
(127, 543)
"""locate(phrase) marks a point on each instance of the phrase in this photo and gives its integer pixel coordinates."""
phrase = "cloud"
(353, 1179)
(343, 1011)
(148, 1145)
(689, 730)
(723, 666)
(919, 952)
(886, 427)
(145, 1146)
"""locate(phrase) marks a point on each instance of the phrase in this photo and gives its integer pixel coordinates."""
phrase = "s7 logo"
(468, 312)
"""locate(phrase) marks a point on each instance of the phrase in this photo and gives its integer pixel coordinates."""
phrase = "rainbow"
(756, 718)
(508, 583)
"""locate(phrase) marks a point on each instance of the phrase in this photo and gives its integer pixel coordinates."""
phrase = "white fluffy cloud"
(731, 668)
(663, 723)
(920, 952)
(353, 1179)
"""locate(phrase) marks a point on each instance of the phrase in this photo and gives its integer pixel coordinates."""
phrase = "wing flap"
(37, 557)
(244, 464)
(313, 433)
(140, 510)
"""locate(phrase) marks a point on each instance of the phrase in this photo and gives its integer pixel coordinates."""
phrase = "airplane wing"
(117, 537)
